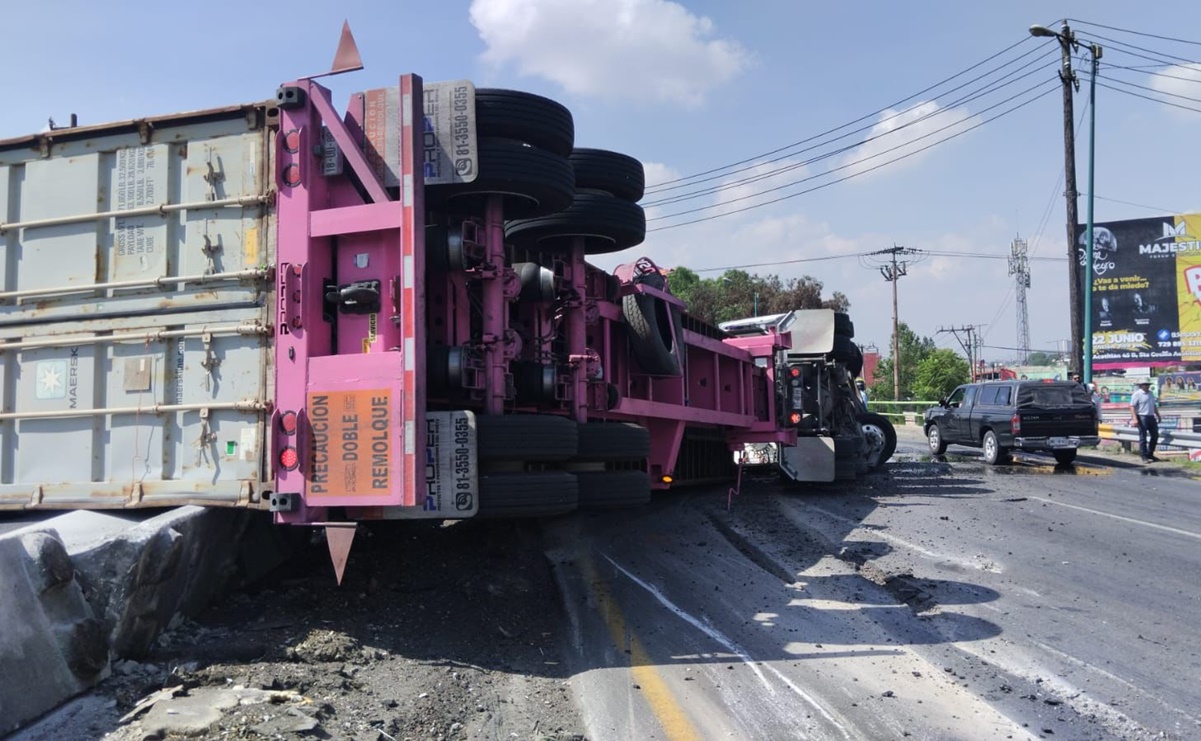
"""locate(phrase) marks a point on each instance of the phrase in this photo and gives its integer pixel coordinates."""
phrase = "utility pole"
(1067, 44)
(969, 346)
(893, 270)
(1019, 267)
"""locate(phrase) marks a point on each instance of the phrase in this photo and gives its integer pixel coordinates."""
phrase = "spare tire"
(525, 117)
(613, 172)
(655, 347)
(533, 182)
(607, 224)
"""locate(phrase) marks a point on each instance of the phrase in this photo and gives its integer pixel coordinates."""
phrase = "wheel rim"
(990, 448)
(875, 442)
(935, 439)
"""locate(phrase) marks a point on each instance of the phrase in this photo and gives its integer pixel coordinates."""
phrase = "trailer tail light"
(292, 175)
(794, 372)
(795, 418)
(287, 423)
(1016, 421)
(666, 479)
(289, 459)
(292, 141)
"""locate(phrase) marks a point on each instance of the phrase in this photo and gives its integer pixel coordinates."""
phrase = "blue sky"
(693, 85)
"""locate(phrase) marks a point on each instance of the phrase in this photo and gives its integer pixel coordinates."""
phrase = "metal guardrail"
(898, 408)
(1179, 438)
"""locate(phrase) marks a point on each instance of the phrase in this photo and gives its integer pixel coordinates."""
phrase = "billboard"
(1146, 302)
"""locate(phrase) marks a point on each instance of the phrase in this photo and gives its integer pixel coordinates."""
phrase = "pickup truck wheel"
(527, 494)
(993, 452)
(1064, 457)
(525, 117)
(613, 489)
(607, 224)
(934, 437)
(881, 438)
(533, 181)
(612, 172)
(526, 437)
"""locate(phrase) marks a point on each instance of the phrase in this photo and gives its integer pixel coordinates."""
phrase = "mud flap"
(812, 459)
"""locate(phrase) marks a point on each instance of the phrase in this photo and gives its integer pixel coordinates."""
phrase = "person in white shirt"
(1144, 412)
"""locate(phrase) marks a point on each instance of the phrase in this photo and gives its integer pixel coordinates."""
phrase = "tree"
(1039, 357)
(939, 373)
(737, 294)
(914, 350)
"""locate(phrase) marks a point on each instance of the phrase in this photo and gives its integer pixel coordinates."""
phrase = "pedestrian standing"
(1144, 413)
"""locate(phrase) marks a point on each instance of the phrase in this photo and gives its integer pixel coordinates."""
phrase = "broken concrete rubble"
(86, 586)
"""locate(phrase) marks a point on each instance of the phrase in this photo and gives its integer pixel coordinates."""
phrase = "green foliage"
(914, 350)
(1041, 358)
(737, 294)
(939, 373)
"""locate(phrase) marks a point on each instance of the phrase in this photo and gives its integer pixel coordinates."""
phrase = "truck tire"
(1065, 456)
(525, 117)
(613, 489)
(843, 324)
(993, 452)
(618, 174)
(651, 340)
(533, 181)
(607, 224)
(881, 438)
(526, 437)
(845, 351)
(613, 441)
(527, 494)
(938, 444)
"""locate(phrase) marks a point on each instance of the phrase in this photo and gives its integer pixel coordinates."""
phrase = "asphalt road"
(941, 599)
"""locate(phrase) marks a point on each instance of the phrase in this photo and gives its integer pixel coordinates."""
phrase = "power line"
(847, 177)
(1162, 54)
(1034, 66)
(987, 90)
(1156, 209)
(1136, 33)
(1195, 80)
(1153, 90)
(988, 256)
(1147, 97)
(659, 186)
(824, 258)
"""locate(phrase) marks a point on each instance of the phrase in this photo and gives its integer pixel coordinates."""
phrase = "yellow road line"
(659, 697)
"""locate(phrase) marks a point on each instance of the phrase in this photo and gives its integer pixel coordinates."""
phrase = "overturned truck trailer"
(384, 312)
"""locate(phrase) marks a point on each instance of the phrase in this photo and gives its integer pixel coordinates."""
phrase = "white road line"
(733, 647)
(1112, 516)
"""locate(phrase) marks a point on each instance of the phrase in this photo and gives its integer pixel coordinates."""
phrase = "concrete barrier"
(88, 587)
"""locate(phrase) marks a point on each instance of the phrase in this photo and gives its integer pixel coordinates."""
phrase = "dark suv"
(1001, 416)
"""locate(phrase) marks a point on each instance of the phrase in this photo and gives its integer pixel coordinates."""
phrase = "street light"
(1067, 42)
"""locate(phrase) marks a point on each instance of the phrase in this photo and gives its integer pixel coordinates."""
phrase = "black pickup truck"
(1002, 416)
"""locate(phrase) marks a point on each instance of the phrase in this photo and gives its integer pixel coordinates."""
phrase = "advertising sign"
(1146, 301)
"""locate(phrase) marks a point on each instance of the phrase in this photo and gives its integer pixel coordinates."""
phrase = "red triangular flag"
(347, 58)
(339, 538)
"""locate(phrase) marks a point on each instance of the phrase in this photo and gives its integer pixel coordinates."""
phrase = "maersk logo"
(1175, 239)
(51, 379)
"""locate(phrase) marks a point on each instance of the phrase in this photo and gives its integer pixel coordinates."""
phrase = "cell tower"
(1019, 267)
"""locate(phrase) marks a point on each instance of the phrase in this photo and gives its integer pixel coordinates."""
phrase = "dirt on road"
(438, 632)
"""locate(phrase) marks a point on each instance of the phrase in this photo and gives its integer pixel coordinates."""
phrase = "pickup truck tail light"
(1016, 421)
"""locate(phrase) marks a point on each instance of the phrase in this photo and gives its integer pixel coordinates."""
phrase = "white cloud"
(1180, 79)
(620, 49)
(906, 132)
